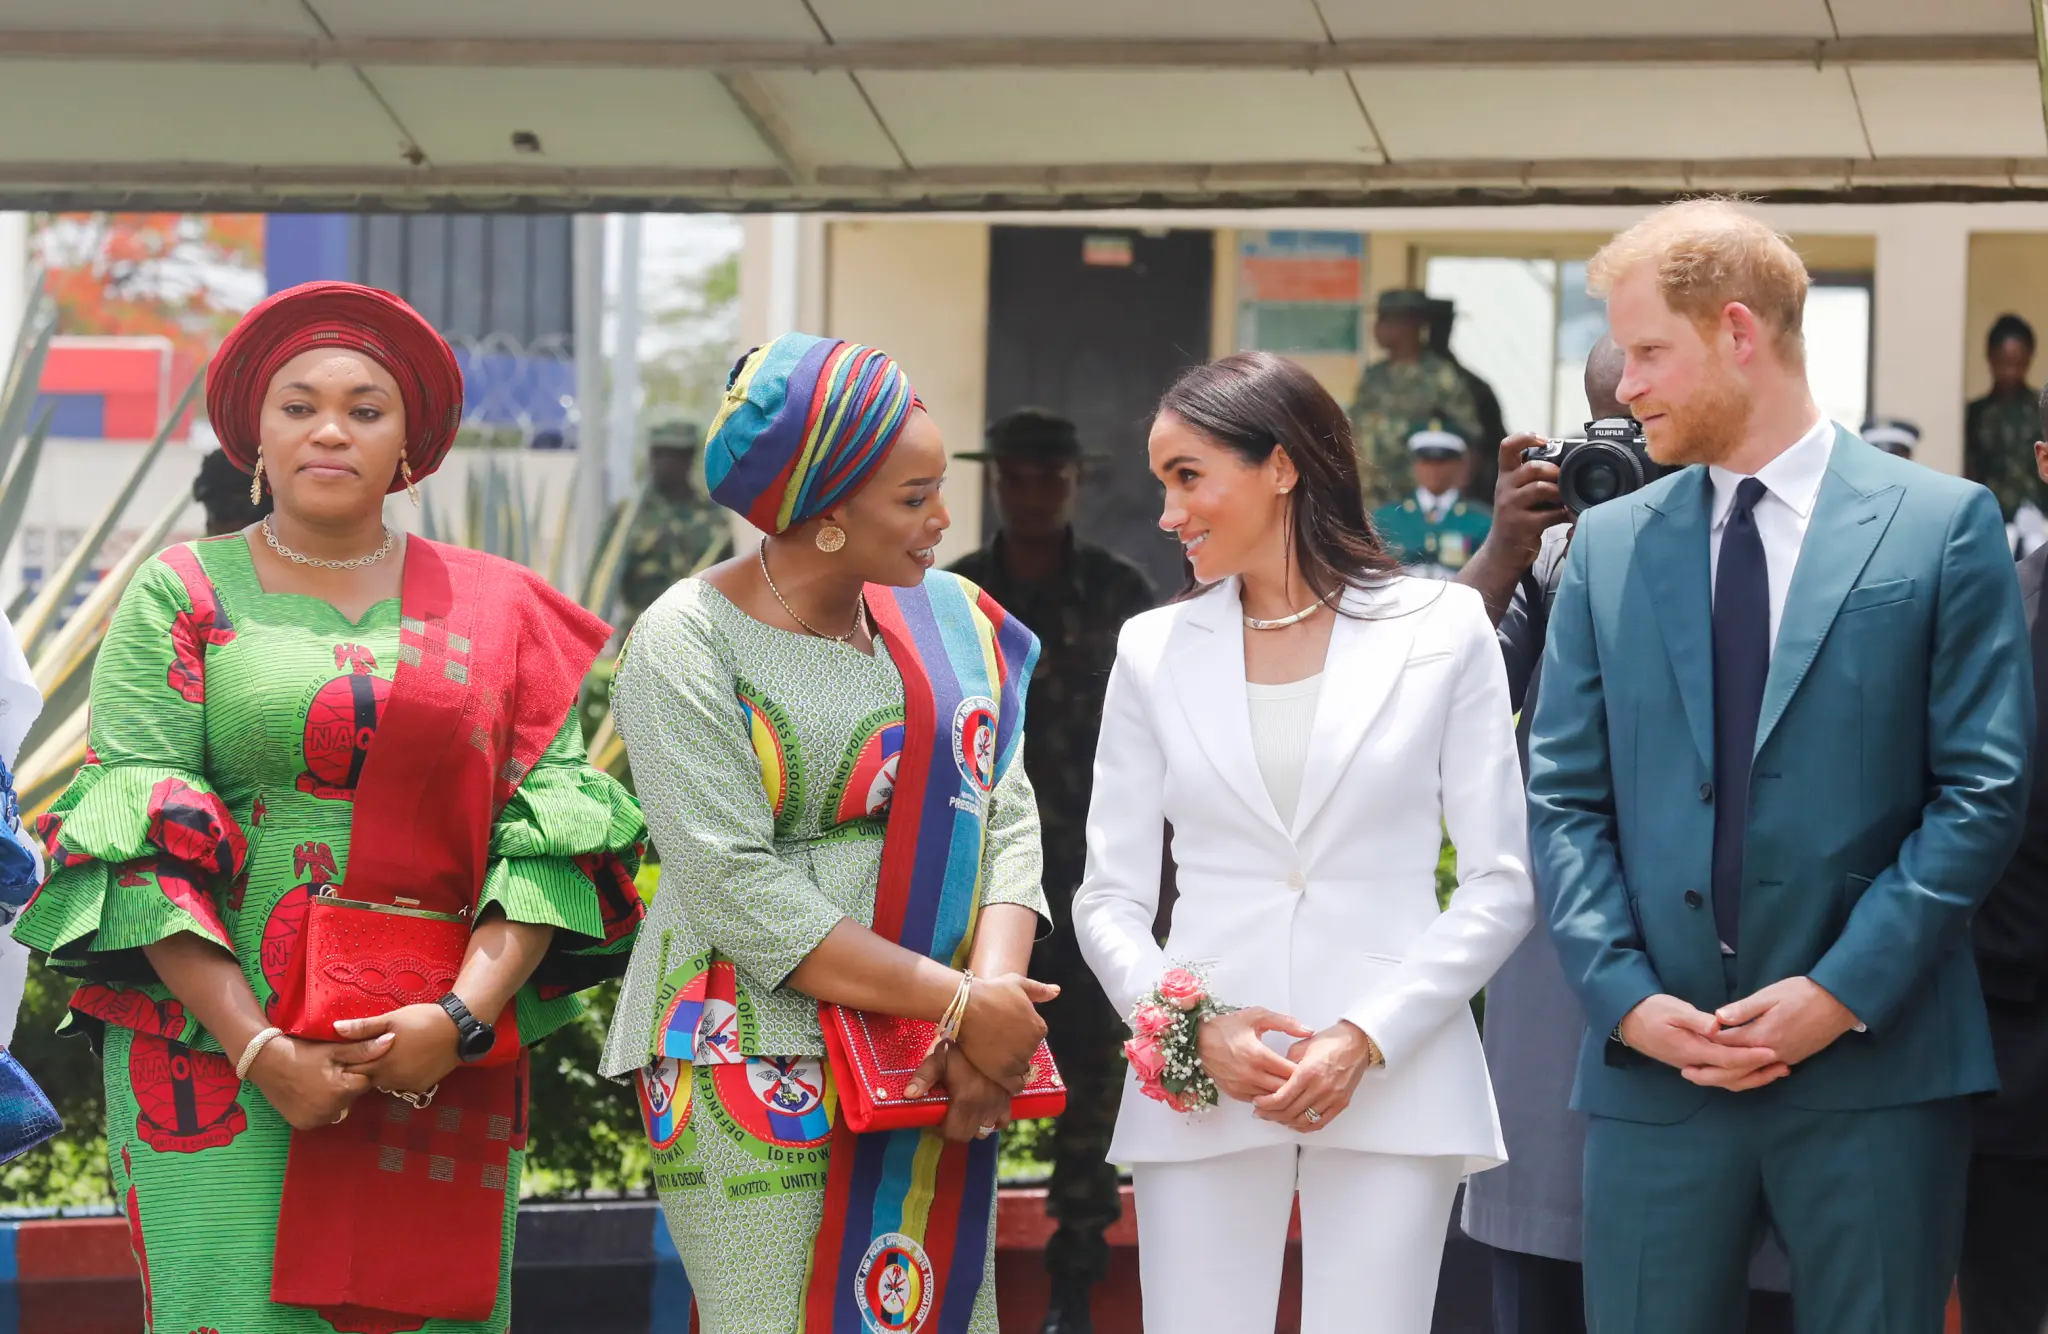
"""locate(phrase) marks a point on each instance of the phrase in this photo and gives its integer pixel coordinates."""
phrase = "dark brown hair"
(1252, 403)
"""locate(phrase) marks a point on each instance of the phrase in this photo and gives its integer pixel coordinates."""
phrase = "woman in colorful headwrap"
(297, 730)
(800, 718)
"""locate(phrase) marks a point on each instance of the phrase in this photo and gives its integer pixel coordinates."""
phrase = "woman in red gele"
(336, 860)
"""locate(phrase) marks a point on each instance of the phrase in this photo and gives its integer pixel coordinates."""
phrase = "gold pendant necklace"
(860, 604)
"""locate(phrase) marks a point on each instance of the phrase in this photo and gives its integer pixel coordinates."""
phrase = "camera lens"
(1598, 483)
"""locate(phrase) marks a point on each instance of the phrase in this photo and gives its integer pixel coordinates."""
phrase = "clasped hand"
(1320, 1071)
(312, 1084)
(991, 1061)
(1744, 1045)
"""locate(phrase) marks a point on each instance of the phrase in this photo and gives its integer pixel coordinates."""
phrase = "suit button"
(1693, 899)
(1706, 791)
(1296, 881)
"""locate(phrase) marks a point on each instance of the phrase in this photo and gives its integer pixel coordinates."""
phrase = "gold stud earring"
(256, 481)
(412, 489)
(830, 538)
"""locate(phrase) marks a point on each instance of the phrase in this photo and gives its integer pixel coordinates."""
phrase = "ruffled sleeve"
(139, 845)
(564, 852)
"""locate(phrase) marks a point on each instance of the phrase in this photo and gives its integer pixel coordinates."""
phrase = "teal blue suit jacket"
(1887, 790)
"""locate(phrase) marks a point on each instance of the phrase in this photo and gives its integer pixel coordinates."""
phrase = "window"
(1526, 326)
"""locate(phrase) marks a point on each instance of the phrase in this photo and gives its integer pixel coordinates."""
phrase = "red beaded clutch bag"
(366, 959)
(874, 1055)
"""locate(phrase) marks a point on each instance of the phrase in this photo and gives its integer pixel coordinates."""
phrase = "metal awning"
(991, 104)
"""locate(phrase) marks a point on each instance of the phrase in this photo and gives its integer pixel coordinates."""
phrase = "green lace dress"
(766, 760)
(227, 732)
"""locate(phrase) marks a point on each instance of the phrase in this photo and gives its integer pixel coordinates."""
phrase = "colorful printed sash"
(905, 1237)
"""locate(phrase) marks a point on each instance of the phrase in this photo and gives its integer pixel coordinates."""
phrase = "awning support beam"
(981, 54)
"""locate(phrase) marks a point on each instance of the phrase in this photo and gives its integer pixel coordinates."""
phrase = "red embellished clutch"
(366, 959)
(874, 1055)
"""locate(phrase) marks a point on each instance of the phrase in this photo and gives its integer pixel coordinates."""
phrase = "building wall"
(919, 290)
(1941, 274)
(2008, 274)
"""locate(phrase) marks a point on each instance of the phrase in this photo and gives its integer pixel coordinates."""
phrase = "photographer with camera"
(1530, 1211)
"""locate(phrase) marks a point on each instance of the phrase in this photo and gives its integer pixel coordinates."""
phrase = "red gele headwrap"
(341, 315)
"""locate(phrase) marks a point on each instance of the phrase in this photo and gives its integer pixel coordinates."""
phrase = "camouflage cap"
(1031, 435)
(1404, 301)
(679, 435)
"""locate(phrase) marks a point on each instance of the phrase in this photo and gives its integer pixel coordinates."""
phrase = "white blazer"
(1337, 917)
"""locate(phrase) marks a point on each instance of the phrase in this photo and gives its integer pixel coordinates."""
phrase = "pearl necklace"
(860, 605)
(1254, 623)
(298, 558)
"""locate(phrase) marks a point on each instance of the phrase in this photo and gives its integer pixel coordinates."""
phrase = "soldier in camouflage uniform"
(1397, 397)
(678, 530)
(1076, 597)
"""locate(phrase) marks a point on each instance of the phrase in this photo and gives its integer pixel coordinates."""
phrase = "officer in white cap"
(1893, 436)
(1434, 531)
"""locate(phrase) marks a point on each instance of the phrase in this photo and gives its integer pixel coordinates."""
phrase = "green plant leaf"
(21, 478)
(42, 615)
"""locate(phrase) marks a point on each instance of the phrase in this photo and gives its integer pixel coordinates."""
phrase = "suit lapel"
(1671, 556)
(1848, 520)
(1207, 663)
(1369, 646)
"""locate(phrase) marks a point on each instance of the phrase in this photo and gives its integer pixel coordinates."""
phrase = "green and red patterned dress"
(229, 728)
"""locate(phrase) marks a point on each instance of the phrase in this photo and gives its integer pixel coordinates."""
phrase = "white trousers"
(1212, 1235)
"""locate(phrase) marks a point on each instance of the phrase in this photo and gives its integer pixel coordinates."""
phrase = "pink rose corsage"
(1163, 1050)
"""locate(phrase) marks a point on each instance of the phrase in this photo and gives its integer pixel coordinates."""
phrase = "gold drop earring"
(412, 489)
(256, 481)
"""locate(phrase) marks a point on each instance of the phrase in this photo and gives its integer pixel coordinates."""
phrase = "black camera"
(1611, 461)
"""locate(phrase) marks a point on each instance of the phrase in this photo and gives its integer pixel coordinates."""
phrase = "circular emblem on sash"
(894, 1285)
(664, 1100)
(780, 1099)
(718, 1034)
(974, 741)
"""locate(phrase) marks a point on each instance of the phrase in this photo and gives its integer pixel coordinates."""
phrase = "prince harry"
(1780, 754)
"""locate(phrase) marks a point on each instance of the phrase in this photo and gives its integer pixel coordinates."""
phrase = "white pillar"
(785, 274)
(623, 430)
(1920, 308)
(13, 272)
(587, 319)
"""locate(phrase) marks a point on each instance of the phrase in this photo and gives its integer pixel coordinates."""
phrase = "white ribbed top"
(1282, 717)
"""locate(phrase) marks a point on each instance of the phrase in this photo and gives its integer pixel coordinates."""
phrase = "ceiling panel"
(266, 17)
(1181, 20)
(1630, 112)
(1939, 111)
(756, 20)
(1870, 18)
(191, 113)
(603, 118)
(1121, 116)
(1362, 19)
(829, 122)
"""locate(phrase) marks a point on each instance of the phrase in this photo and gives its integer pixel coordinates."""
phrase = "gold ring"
(984, 1132)
(1314, 1117)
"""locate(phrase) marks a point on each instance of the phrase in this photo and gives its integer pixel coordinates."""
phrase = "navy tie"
(1742, 661)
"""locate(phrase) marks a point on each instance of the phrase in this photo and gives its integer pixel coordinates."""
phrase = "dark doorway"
(1094, 324)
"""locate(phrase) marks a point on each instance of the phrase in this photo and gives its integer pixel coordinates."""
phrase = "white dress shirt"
(1792, 484)
(1435, 506)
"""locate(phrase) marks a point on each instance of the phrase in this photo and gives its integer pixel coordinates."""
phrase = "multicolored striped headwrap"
(805, 421)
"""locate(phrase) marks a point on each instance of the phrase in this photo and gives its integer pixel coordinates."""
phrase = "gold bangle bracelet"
(956, 1011)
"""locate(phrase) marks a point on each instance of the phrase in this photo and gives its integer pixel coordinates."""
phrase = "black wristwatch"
(473, 1037)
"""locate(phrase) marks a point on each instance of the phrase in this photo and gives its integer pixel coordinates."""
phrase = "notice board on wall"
(1300, 291)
